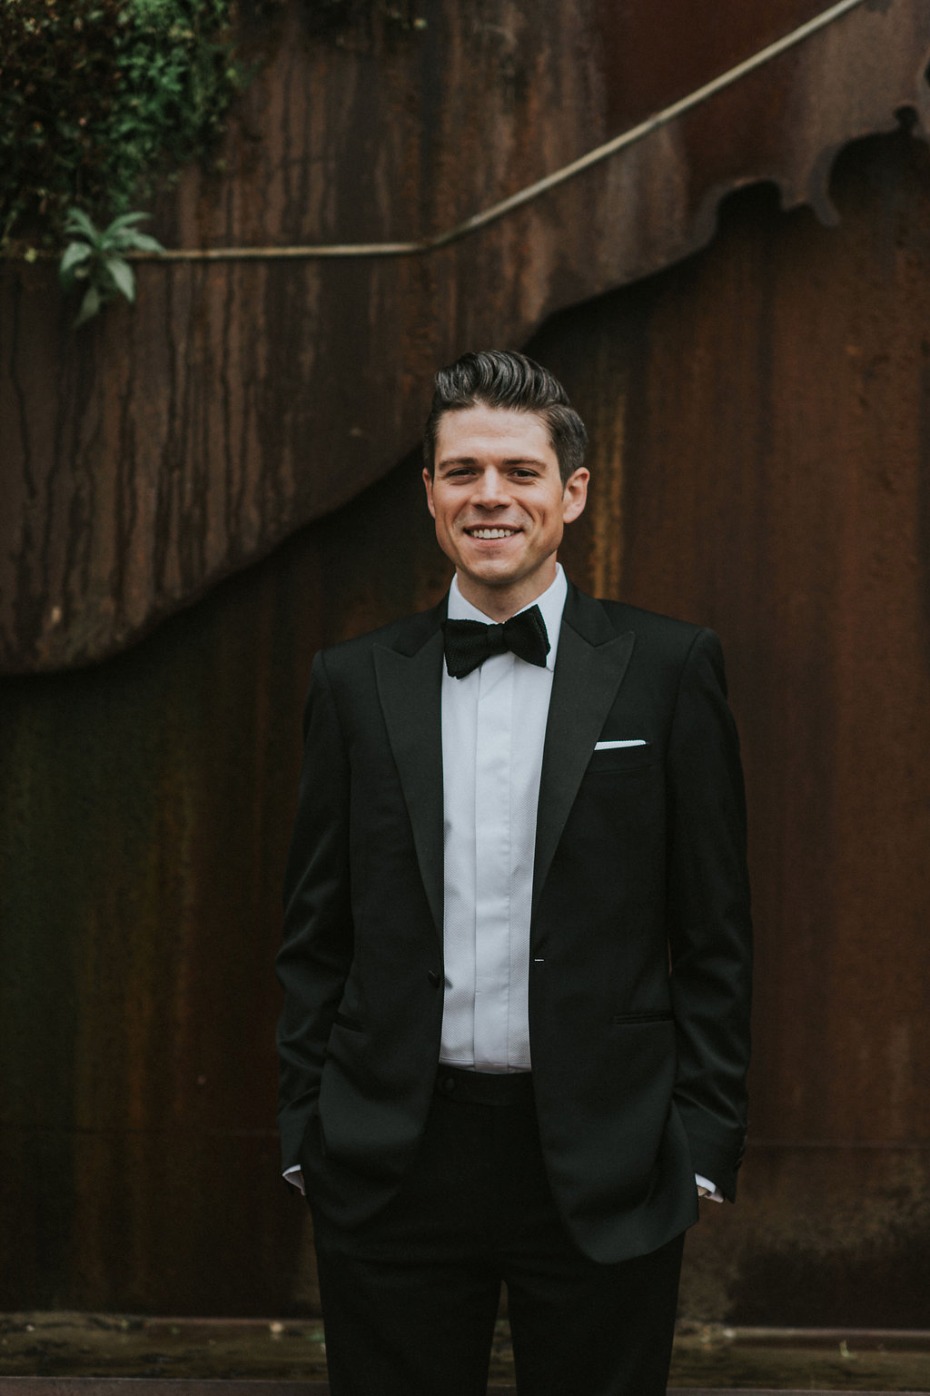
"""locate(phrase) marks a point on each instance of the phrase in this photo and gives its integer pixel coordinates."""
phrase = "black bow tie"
(470, 642)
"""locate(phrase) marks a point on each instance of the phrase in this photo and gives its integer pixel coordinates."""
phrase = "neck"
(500, 603)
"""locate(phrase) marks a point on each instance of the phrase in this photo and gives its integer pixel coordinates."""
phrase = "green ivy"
(101, 101)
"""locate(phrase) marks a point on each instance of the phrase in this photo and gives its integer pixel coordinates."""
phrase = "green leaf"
(123, 277)
(74, 254)
(141, 242)
(126, 220)
(77, 221)
(90, 306)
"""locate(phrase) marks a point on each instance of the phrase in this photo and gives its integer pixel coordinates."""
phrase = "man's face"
(500, 505)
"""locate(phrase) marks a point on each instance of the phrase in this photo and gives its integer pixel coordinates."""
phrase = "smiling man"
(517, 946)
(496, 491)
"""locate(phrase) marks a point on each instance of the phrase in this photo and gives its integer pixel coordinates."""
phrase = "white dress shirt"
(493, 729)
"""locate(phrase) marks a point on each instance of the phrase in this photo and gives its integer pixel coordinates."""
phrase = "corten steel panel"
(146, 812)
(759, 420)
(769, 466)
(164, 447)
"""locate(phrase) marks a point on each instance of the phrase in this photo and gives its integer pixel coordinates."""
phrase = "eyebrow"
(472, 460)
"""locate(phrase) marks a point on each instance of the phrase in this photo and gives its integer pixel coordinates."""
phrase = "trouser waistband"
(455, 1083)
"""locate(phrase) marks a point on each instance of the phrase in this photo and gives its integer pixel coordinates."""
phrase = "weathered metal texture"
(165, 447)
(760, 420)
(145, 813)
(767, 455)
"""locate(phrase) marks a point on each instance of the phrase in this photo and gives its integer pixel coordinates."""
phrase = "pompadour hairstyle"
(504, 378)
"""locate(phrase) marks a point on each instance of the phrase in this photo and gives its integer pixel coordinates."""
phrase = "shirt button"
(447, 1085)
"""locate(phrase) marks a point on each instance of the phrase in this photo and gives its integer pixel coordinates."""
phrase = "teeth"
(490, 533)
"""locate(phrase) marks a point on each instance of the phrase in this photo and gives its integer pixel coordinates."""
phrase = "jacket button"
(434, 978)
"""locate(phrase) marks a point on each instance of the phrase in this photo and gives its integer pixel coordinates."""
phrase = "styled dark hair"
(504, 378)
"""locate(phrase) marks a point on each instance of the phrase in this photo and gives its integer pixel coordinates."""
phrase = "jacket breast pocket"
(617, 760)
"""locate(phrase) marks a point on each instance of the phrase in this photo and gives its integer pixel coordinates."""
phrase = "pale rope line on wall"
(532, 191)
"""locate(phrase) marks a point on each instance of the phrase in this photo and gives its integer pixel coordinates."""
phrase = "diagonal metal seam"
(523, 196)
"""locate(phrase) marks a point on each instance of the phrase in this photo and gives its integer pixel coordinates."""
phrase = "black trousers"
(410, 1301)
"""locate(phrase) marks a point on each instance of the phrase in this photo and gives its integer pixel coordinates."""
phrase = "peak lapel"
(409, 687)
(589, 668)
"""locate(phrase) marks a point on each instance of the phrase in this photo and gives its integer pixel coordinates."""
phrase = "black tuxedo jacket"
(640, 950)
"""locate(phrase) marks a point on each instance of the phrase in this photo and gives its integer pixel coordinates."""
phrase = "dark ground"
(107, 1345)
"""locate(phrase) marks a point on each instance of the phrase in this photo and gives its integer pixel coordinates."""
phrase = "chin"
(491, 576)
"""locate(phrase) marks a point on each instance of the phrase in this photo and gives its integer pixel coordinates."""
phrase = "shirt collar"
(551, 603)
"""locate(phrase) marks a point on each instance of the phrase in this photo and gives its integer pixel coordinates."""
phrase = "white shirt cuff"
(708, 1189)
(295, 1177)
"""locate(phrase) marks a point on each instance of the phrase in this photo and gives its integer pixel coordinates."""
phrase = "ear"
(428, 482)
(575, 494)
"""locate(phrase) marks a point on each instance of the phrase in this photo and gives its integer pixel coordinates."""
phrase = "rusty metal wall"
(164, 447)
(760, 418)
(767, 457)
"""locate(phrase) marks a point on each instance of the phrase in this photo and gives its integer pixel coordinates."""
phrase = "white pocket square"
(610, 746)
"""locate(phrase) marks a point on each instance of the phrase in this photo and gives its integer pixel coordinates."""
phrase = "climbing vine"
(101, 101)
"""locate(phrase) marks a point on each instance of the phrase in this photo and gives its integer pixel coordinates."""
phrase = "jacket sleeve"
(316, 953)
(710, 937)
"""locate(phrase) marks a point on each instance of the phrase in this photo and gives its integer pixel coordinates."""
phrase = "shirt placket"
(493, 848)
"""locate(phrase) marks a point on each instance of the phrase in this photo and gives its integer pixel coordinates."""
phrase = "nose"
(492, 489)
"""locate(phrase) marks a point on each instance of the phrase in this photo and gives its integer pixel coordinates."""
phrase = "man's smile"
(486, 532)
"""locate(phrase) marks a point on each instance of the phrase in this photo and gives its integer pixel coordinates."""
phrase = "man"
(516, 954)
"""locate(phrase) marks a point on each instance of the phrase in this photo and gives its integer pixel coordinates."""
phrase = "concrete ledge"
(159, 1386)
(72, 1354)
(156, 1386)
